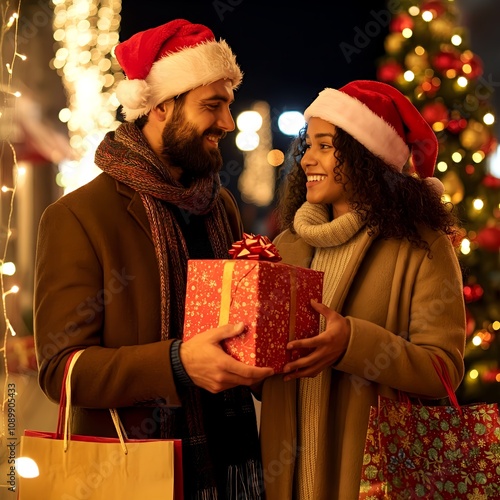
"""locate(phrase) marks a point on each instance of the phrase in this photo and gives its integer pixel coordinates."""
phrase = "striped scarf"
(126, 156)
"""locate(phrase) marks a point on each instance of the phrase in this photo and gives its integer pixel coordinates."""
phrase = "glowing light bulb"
(489, 119)
(26, 467)
(427, 16)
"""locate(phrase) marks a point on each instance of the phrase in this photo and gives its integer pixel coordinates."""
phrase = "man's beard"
(184, 147)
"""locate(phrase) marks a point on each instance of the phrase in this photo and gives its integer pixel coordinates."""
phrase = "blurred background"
(58, 74)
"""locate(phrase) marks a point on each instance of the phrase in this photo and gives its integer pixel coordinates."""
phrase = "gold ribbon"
(293, 302)
(225, 303)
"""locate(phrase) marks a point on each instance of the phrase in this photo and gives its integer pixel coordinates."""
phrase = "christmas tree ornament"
(453, 186)
(389, 71)
(488, 238)
(435, 112)
(474, 135)
(435, 7)
(442, 29)
(401, 22)
(394, 43)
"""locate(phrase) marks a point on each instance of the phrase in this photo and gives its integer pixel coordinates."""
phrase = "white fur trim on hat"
(177, 73)
(358, 120)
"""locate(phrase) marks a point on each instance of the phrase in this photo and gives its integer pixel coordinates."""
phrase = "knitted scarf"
(334, 242)
(126, 156)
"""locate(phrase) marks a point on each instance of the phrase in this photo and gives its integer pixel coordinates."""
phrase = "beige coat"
(404, 309)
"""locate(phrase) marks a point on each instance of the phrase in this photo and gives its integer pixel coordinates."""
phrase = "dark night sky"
(288, 54)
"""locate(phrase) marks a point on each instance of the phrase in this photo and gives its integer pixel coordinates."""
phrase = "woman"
(355, 208)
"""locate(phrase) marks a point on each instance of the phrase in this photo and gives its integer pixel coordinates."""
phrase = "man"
(112, 259)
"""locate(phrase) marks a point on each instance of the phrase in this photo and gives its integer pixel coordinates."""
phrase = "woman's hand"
(327, 347)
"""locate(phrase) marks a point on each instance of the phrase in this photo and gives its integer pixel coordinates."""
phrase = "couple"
(350, 207)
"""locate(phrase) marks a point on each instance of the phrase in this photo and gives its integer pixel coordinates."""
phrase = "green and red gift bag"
(417, 451)
(272, 300)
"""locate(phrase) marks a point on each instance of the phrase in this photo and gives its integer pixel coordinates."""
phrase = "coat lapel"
(135, 207)
(350, 271)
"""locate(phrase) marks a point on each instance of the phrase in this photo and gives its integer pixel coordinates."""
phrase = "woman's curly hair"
(394, 204)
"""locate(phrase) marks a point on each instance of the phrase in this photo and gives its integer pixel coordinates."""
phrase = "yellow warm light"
(14, 289)
(87, 33)
(462, 81)
(26, 467)
(247, 141)
(456, 40)
(414, 11)
(65, 115)
(407, 33)
(478, 204)
(275, 157)
(427, 16)
(8, 268)
(489, 119)
(473, 374)
(409, 76)
(495, 325)
(467, 68)
(12, 19)
(249, 121)
(442, 166)
(456, 157)
(465, 246)
(478, 156)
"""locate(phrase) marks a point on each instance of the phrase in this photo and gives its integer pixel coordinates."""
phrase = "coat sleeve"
(85, 300)
(434, 320)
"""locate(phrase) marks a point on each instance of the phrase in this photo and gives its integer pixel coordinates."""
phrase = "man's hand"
(327, 347)
(211, 368)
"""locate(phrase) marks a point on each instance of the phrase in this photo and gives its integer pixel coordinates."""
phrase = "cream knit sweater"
(334, 241)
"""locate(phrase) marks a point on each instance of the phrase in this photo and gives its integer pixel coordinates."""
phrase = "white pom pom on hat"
(384, 120)
(134, 97)
(163, 62)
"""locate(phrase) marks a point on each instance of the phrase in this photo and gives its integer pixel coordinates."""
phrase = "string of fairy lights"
(9, 23)
(86, 32)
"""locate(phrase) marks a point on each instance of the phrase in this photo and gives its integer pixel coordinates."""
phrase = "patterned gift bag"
(372, 472)
(413, 451)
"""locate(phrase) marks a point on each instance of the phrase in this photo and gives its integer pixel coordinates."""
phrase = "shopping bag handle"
(442, 371)
(64, 419)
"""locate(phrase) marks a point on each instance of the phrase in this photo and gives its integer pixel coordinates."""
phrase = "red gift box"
(272, 300)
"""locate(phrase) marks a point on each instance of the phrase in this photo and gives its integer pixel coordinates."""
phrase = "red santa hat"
(163, 62)
(382, 119)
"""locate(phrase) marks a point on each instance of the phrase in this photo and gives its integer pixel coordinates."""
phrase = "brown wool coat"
(403, 308)
(97, 287)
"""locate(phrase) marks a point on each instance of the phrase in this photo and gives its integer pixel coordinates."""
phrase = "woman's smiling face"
(318, 164)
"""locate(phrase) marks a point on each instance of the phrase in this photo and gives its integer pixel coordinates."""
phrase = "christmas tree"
(428, 58)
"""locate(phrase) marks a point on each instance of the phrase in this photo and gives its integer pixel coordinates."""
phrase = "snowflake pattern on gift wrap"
(260, 296)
